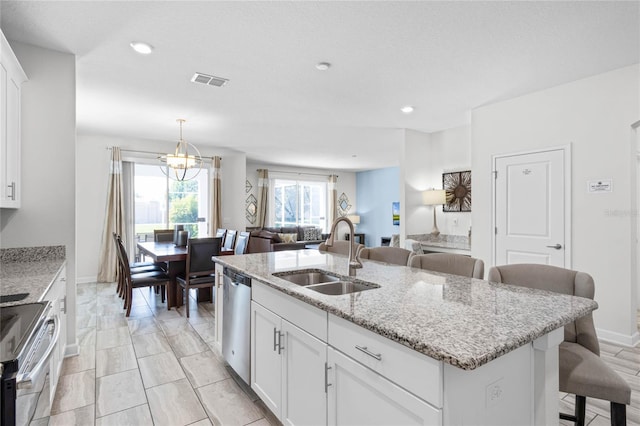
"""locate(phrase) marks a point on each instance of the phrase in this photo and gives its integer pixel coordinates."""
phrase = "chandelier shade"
(185, 162)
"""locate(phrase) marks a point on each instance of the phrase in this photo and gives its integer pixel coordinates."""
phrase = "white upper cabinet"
(11, 78)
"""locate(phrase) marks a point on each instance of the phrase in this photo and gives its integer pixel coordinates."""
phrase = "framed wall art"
(458, 191)
(395, 212)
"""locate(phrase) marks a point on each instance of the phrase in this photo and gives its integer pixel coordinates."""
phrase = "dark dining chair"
(230, 239)
(137, 280)
(582, 371)
(200, 269)
(242, 242)
(162, 235)
(135, 267)
(221, 232)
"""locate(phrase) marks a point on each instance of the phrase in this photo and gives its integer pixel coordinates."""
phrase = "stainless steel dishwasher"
(236, 322)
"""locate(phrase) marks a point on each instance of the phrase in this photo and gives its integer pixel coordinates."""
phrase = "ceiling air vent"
(209, 79)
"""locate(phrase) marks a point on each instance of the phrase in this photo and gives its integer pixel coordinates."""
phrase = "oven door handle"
(26, 381)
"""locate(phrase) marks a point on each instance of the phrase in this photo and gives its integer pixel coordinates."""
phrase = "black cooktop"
(16, 325)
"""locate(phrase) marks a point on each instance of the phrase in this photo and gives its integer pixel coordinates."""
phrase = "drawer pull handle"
(368, 352)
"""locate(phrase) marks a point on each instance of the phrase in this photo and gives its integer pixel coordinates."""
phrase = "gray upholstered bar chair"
(449, 263)
(340, 246)
(394, 255)
(582, 371)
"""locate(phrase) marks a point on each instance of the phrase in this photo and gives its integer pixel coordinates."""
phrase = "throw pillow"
(311, 234)
(288, 238)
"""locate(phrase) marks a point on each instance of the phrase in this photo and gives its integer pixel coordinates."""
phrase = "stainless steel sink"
(309, 277)
(342, 287)
(325, 282)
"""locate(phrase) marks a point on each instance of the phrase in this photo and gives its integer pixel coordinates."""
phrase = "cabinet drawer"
(303, 315)
(409, 369)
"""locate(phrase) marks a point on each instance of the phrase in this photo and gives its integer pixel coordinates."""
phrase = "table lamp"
(434, 197)
(354, 218)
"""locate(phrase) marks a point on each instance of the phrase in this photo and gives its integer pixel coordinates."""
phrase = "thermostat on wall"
(600, 185)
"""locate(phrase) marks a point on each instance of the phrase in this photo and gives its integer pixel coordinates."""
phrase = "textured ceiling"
(445, 58)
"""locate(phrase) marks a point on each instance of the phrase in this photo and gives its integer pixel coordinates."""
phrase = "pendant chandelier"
(185, 163)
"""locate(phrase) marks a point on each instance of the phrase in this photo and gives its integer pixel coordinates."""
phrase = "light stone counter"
(462, 321)
(29, 270)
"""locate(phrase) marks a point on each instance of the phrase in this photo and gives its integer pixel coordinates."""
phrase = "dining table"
(176, 258)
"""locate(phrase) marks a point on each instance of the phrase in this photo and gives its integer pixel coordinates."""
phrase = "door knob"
(556, 246)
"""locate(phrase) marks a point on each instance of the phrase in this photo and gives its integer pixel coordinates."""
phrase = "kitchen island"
(458, 350)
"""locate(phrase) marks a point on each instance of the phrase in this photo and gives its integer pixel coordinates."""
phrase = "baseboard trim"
(72, 350)
(87, 280)
(618, 338)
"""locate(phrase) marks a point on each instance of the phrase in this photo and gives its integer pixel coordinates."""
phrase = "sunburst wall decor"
(458, 188)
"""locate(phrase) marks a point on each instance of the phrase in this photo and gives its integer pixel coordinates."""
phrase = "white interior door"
(530, 205)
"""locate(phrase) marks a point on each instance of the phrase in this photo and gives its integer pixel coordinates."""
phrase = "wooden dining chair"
(230, 239)
(140, 279)
(162, 235)
(242, 242)
(135, 267)
(200, 269)
(221, 232)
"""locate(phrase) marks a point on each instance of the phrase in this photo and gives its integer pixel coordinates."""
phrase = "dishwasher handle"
(237, 277)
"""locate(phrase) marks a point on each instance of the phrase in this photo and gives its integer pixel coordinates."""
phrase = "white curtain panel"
(113, 220)
(263, 196)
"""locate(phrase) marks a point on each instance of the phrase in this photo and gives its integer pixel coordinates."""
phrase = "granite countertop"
(456, 242)
(29, 270)
(462, 321)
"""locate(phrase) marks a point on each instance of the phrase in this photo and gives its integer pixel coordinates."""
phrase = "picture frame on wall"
(457, 186)
(395, 212)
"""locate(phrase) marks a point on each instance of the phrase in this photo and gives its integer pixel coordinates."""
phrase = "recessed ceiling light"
(141, 47)
(323, 66)
(408, 109)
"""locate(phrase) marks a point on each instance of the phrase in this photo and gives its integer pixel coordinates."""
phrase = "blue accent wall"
(375, 191)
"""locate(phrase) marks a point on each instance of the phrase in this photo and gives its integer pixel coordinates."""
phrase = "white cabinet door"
(304, 399)
(266, 360)
(359, 396)
(11, 78)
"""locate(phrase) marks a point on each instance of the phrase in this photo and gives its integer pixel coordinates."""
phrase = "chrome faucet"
(354, 260)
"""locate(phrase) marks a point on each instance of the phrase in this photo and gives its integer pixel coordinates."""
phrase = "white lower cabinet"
(305, 369)
(288, 369)
(359, 396)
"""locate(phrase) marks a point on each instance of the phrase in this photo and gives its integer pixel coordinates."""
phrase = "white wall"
(92, 183)
(47, 215)
(594, 115)
(346, 183)
(426, 157)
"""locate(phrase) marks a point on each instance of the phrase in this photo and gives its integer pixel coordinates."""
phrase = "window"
(297, 202)
(161, 203)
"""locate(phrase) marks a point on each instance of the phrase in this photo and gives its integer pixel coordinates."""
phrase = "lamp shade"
(354, 218)
(433, 197)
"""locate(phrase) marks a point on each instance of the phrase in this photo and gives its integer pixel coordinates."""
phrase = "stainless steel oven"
(28, 337)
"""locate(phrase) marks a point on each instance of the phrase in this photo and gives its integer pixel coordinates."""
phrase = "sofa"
(283, 238)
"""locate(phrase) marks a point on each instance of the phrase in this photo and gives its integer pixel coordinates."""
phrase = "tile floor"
(158, 368)
(153, 368)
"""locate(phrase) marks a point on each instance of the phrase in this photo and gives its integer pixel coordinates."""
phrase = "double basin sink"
(325, 282)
